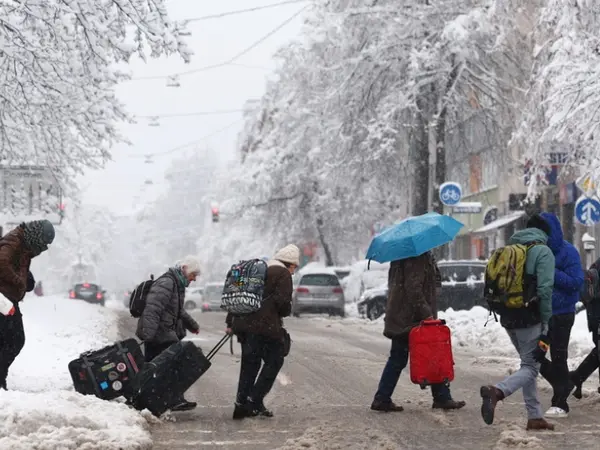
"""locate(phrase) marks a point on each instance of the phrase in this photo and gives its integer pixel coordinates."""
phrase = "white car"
(193, 298)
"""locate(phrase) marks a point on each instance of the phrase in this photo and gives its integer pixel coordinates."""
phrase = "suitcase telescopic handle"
(433, 322)
(218, 347)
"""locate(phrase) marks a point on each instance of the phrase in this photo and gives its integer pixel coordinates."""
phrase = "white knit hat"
(289, 254)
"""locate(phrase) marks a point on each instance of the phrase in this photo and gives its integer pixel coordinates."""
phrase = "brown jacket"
(15, 260)
(412, 287)
(277, 303)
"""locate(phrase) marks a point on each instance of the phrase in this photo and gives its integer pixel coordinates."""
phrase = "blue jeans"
(396, 363)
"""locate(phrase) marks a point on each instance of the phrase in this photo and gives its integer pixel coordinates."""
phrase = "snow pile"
(62, 420)
(41, 411)
(57, 330)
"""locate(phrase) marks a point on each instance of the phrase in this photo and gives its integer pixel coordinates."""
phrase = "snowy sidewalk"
(41, 411)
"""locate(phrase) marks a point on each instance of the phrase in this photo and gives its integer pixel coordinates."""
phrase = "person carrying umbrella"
(412, 283)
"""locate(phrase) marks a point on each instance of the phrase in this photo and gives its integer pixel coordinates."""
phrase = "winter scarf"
(180, 276)
(38, 235)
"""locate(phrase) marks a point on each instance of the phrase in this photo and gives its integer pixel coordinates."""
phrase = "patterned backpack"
(244, 287)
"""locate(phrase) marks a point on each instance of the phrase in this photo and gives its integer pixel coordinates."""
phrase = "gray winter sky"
(122, 183)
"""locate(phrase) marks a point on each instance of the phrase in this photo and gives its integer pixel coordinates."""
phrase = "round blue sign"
(587, 211)
(450, 193)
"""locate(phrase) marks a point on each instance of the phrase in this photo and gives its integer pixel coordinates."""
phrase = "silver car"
(211, 297)
(318, 292)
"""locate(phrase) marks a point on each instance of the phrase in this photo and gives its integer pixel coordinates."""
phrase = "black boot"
(183, 405)
(261, 410)
(242, 411)
(583, 372)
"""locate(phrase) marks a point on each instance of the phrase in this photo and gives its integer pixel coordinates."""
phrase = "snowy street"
(322, 397)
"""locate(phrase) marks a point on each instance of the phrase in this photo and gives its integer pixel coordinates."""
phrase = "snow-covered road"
(322, 397)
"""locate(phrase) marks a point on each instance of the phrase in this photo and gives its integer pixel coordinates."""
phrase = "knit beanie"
(38, 235)
(289, 254)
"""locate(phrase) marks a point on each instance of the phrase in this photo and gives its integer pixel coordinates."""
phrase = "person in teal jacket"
(527, 328)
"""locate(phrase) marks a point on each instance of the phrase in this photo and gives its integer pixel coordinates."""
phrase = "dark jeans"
(396, 363)
(12, 340)
(589, 364)
(557, 371)
(257, 349)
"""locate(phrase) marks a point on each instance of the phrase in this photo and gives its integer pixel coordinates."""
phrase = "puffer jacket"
(15, 260)
(164, 320)
(412, 286)
(568, 273)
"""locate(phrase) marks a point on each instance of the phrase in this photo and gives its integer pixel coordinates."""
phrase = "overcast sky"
(122, 183)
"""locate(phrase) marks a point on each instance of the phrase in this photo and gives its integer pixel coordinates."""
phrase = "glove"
(543, 345)
(196, 331)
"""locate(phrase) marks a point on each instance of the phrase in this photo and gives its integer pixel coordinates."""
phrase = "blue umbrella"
(413, 237)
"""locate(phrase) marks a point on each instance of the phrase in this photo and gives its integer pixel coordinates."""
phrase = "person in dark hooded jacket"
(568, 279)
(17, 249)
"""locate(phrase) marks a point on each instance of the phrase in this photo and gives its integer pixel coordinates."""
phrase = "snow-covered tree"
(59, 63)
(560, 114)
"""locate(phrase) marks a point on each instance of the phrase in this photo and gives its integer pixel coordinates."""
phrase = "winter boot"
(490, 396)
(539, 425)
(242, 411)
(261, 410)
(183, 405)
(390, 406)
(448, 404)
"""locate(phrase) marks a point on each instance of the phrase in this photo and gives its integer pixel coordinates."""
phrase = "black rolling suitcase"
(107, 373)
(164, 380)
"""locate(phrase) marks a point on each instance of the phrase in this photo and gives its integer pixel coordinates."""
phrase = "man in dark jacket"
(527, 328)
(568, 279)
(17, 249)
(591, 300)
(262, 336)
(412, 285)
(164, 320)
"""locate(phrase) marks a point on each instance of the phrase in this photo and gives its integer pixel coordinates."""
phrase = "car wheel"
(375, 311)
(189, 305)
(102, 303)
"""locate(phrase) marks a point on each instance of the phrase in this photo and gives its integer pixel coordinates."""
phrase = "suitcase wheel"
(423, 385)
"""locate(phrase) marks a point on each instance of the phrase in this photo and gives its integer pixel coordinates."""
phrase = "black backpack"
(137, 300)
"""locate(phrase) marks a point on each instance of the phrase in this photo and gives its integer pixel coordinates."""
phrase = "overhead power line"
(242, 11)
(199, 113)
(189, 144)
(229, 61)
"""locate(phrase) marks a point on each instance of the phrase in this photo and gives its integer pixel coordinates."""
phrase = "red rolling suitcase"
(430, 350)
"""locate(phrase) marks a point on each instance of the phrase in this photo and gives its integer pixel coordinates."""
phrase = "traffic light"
(215, 214)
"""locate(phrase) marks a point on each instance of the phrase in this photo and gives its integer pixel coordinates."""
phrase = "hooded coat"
(540, 266)
(568, 273)
(412, 285)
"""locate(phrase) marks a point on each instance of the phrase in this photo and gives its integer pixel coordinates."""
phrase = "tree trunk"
(328, 255)
(420, 164)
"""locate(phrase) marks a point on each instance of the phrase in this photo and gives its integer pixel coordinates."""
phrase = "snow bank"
(62, 420)
(41, 411)
(57, 330)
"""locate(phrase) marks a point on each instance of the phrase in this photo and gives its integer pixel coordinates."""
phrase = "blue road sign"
(450, 193)
(587, 210)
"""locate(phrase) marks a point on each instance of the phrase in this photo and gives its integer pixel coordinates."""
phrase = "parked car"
(211, 297)
(364, 276)
(462, 289)
(318, 291)
(342, 272)
(90, 292)
(127, 297)
(193, 298)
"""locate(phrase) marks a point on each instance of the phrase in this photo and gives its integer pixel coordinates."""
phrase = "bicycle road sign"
(450, 193)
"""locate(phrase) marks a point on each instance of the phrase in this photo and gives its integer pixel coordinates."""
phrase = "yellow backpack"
(506, 282)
